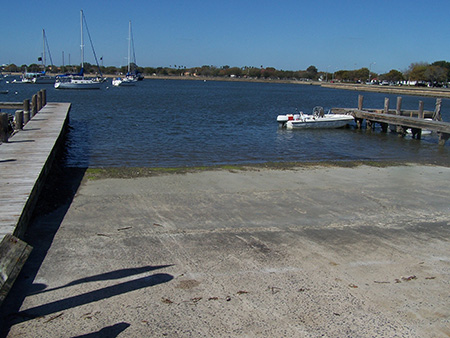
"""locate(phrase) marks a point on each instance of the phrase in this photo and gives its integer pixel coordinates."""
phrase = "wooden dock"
(416, 120)
(25, 160)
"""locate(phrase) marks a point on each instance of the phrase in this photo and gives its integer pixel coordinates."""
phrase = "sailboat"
(43, 78)
(78, 81)
(129, 79)
(39, 77)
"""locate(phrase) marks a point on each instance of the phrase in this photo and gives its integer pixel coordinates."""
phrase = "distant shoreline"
(403, 90)
(400, 90)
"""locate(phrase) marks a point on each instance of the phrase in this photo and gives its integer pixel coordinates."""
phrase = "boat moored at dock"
(317, 120)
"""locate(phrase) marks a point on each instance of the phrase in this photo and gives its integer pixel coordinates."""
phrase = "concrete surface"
(307, 252)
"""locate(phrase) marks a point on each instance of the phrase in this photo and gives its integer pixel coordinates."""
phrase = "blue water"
(173, 123)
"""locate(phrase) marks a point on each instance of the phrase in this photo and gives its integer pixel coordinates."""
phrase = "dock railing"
(24, 112)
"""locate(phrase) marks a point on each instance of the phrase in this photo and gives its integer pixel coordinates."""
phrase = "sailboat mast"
(82, 45)
(43, 45)
(129, 45)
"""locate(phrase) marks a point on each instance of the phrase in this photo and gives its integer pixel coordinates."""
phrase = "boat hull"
(44, 80)
(123, 82)
(78, 84)
(328, 121)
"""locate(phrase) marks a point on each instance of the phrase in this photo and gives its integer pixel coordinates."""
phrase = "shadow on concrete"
(41, 288)
(109, 331)
(90, 297)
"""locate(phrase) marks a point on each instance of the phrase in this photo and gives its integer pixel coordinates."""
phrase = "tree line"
(437, 73)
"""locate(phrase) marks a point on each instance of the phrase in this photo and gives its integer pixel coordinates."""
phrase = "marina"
(171, 123)
(108, 214)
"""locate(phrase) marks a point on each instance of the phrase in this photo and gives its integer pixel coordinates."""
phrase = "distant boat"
(78, 81)
(42, 77)
(39, 77)
(130, 79)
(317, 120)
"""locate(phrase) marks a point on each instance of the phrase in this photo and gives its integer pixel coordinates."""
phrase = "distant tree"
(254, 72)
(149, 70)
(268, 72)
(34, 68)
(435, 74)
(446, 66)
(363, 74)
(416, 71)
(312, 72)
(110, 70)
(12, 68)
(236, 71)
(393, 75)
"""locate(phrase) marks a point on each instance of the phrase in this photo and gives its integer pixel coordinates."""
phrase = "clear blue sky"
(285, 34)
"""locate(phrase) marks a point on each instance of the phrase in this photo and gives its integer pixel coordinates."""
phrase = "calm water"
(168, 123)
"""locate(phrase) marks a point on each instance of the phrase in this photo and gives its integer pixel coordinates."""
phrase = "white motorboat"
(78, 81)
(129, 79)
(40, 78)
(124, 81)
(314, 121)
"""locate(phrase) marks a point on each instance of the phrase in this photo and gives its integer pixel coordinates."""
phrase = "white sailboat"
(43, 78)
(39, 77)
(78, 81)
(129, 79)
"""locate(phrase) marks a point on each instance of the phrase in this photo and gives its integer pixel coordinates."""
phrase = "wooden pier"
(416, 120)
(25, 160)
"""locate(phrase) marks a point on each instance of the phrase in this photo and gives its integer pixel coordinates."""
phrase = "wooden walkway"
(416, 120)
(24, 163)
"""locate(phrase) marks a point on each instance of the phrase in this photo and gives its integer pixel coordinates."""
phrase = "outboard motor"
(282, 119)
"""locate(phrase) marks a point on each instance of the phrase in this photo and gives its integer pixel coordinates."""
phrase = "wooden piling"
(420, 114)
(44, 97)
(442, 138)
(39, 100)
(19, 120)
(3, 127)
(398, 111)
(26, 111)
(360, 106)
(437, 111)
(360, 102)
(386, 105)
(34, 105)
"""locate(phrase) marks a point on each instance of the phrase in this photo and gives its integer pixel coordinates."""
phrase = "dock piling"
(19, 120)
(3, 127)
(26, 111)
(437, 111)
(34, 105)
